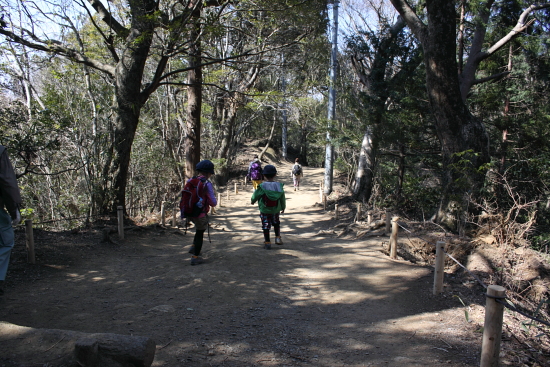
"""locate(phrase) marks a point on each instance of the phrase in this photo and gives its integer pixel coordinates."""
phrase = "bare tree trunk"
(194, 98)
(363, 183)
(329, 148)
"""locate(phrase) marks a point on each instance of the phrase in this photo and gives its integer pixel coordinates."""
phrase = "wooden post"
(388, 221)
(174, 217)
(30, 241)
(324, 202)
(369, 217)
(492, 330)
(219, 199)
(236, 191)
(162, 213)
(335, 211)
(439, 270)
(120, 215)
(393, 237)
(359, 214)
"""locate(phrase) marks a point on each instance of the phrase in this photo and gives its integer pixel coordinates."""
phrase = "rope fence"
(164, 213)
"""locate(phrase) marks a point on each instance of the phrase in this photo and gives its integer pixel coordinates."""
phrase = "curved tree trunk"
(129, 73)
(464, 141)
(362, 186)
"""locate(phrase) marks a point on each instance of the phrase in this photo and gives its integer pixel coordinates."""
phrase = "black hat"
(269, 170)
(205, 166)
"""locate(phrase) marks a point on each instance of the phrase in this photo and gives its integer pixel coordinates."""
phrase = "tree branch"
(413, 21)
(54, 47)
(492, 77)
(520, 26)
(111, 22)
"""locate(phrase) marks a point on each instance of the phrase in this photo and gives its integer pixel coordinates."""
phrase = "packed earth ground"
(323, 298)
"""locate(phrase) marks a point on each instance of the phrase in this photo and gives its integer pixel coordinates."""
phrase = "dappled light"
(317, 299)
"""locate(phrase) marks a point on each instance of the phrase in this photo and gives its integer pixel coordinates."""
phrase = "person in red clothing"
(205, 170)
(10, 201)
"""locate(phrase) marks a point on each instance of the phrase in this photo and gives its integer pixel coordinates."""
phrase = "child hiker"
(270, 196)
(296, 174)
(255, 172)
(197, 198)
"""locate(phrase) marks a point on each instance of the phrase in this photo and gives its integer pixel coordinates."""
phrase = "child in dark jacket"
(270, 196)
(205, 169)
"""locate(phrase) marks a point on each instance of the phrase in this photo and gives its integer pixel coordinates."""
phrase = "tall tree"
(137, 41)
(381, 59)
(329, 148)
(464, 140)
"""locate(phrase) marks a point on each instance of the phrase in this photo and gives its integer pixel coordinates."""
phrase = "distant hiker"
(10, 201)
(296, 173)
(197, 198)
(255, 172)
(270, 196)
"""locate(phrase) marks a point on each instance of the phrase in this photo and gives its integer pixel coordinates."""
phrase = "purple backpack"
(256, 171)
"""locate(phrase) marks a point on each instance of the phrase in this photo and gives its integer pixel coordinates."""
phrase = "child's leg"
(266, 225)
(197, 241)
(276, 224)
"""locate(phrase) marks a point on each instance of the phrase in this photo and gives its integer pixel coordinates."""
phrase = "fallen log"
(72, 348)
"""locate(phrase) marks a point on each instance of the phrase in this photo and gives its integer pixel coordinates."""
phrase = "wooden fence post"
(236, 191)
(324, 202)
(335, 211)
(439, 270)
(388, 221)
(174, 217)
(219, 199)
(369, 217)
(393, 237)
(30, 241)
(162, 213)
(492, 330)
(120, 215)
(359, 212)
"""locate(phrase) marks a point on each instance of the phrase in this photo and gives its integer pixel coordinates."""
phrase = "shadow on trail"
(317, 300)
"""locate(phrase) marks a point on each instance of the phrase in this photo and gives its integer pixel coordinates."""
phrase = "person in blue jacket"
(10, 201)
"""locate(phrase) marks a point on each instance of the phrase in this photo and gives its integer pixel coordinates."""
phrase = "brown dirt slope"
(318, 300)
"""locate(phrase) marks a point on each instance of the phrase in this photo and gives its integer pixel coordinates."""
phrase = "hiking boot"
(278, 240)
(196, 260)
(267, 245)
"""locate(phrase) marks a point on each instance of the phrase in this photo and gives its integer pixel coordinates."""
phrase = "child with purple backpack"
(255, 172)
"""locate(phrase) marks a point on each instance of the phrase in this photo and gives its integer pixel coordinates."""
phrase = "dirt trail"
(317, 300)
